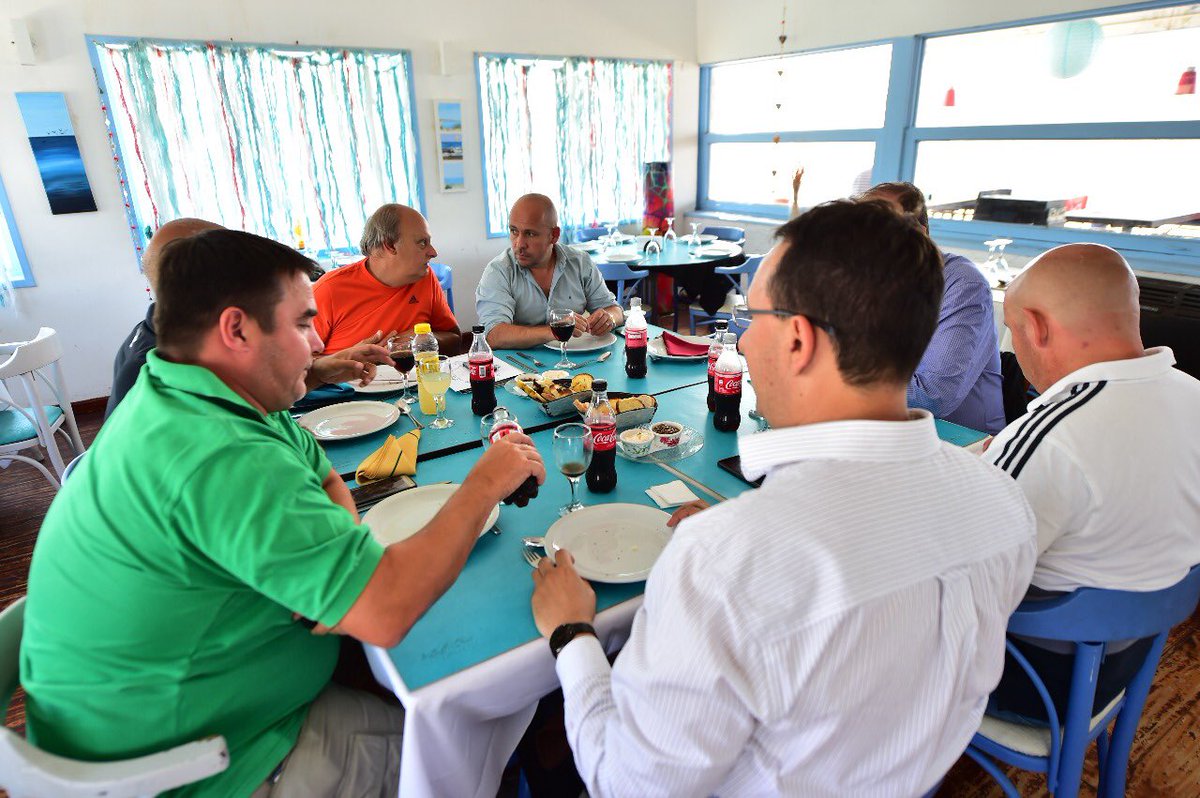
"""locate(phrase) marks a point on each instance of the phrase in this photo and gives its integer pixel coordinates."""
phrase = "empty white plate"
(403, 515)
(585, 343)
(613, 543)
(349, 420)
(620, 257)
(720, 249)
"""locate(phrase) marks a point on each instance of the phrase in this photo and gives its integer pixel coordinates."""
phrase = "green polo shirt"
(165, 576)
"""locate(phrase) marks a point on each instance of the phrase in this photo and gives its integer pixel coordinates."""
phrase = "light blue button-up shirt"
(508, 294)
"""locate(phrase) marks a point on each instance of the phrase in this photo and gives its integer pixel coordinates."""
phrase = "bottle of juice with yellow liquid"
(425, 347)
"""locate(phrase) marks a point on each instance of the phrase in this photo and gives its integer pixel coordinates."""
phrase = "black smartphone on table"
(734, 466)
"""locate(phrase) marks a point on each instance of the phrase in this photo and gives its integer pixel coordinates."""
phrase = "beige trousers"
(349, 746)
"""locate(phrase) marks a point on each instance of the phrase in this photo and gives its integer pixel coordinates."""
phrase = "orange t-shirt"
(352, 305)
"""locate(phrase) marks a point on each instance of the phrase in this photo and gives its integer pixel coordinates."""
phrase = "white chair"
(34, 366)
(27, 771)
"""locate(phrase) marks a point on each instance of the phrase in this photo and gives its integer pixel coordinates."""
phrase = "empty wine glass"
(670, 234)
(562, 326)
(434, 375)
(572, 455)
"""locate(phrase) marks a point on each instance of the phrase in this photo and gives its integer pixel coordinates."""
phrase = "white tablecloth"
(459, 732)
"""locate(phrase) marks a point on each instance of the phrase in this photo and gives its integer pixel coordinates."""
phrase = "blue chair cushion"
(15, 427)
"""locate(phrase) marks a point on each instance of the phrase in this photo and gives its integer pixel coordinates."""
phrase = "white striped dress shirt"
(836, 632)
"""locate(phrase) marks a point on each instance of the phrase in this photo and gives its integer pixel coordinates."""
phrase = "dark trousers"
(1016, 694)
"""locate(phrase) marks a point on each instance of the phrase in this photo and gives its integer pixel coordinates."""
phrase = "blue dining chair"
(735, 234)
(445, 276)
(1091, 619)
(735, 274)
(589, 234)
(622, 275)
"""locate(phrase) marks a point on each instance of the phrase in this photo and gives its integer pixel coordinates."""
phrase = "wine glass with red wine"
(400, 348)
(572, 454)
(562, 326)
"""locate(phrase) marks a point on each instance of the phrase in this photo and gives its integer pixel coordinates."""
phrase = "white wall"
(729, 30)
(89, 286)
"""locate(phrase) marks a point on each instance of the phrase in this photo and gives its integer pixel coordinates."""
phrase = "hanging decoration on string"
(775, 159)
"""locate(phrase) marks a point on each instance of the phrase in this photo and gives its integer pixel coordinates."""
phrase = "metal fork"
(529, 358)
(531, 557)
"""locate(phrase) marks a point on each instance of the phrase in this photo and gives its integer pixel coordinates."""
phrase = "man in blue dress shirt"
(959, 377)
(537, 274)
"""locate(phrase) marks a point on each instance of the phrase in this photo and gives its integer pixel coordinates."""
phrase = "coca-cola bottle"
(495, 426)
(602, 421)
(635, 339)
(483, 374)
(714, 351)
(727, 385)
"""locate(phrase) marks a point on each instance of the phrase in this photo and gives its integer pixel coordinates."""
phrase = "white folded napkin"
(672, 494)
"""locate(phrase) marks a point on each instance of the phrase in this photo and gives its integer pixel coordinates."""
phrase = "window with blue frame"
(14, 266)
(299, 144)
(827, 110)
(578, 130)
(1098, 111)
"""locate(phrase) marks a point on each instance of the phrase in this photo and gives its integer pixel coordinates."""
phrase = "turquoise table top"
(486, 611)
(674, 255)
(661, 376)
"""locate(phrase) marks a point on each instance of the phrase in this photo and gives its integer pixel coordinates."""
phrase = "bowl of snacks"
(668, 433)
(632, 409)
(637, 441)
(556, 396)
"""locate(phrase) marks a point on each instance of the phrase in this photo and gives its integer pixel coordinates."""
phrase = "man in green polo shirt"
(171, 568)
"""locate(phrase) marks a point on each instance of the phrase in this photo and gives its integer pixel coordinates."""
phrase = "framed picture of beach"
(448, 118)
(56, 152)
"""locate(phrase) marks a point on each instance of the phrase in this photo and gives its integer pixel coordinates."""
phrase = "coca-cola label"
(604, 437)
(502, 429)
(482, 369)
(727, 382)
(635, 339)
(712, 362)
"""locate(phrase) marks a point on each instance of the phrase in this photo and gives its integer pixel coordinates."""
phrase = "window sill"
(726, 216)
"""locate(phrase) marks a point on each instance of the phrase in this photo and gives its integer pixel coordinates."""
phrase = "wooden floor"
(1166, 753)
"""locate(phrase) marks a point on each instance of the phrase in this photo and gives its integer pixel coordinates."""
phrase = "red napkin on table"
(682, 348)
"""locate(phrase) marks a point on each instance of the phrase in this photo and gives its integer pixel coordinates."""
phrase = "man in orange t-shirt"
(392, 289)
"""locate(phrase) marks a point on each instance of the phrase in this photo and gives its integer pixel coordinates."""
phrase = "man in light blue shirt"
(959, 377)
(537, 274)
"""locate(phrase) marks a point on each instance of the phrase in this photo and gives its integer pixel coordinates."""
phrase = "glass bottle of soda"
(714, 351)
(602, 421)
(727, 384)
(635, 339)
(483, 374)
(493, 427)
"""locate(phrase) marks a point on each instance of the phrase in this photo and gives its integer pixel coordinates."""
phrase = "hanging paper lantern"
(1072, 46)
(1187, 82)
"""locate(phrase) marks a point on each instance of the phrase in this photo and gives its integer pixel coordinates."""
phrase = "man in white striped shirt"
(837, 631)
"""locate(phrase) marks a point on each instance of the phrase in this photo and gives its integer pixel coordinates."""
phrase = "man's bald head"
(1073, 306)
(539, 204)
(171, 231)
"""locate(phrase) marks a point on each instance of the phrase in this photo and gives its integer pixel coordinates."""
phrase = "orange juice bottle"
(425, 347)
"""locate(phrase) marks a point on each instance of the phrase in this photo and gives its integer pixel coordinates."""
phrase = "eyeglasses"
(742, 316)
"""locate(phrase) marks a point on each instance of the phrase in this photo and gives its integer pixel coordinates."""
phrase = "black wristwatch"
(566, 633)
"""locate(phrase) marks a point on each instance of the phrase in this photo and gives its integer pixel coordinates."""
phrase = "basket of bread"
(556, 391)
(632, 409)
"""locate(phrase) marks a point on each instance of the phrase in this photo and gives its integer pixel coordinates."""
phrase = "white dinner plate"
(657, 348)
(404, 514)
(349, 420)
(613, 543)
(620, 257)
(587, 246)
(586, 343)
(722, 248)
(387, 380)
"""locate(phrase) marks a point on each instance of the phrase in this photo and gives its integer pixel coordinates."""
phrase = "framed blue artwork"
(52, 138)
(448, 118)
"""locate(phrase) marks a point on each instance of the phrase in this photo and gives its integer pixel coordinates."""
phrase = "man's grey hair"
(382, 229)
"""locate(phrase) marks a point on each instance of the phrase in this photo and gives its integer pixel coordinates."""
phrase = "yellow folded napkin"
(396, 456)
